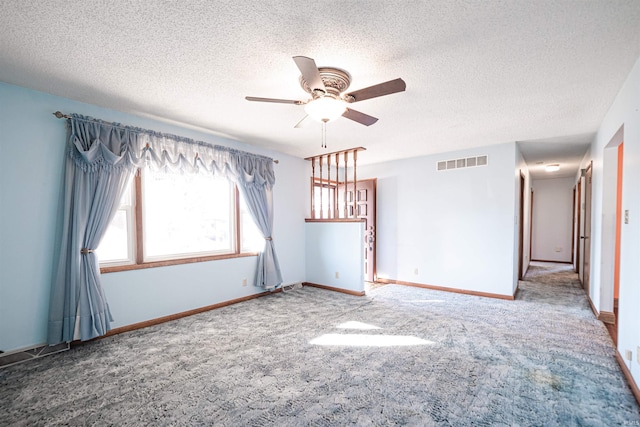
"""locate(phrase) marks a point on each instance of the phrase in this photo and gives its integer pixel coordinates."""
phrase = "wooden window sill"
(165, 263)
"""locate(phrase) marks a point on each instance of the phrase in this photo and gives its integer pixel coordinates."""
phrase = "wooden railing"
(341, 203)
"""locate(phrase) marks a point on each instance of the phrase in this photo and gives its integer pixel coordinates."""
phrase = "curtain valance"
(91, 140)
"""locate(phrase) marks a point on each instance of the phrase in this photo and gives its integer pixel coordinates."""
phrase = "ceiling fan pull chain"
(324, 134)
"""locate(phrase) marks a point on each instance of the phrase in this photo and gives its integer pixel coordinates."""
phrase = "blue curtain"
(255, 183)
(100, 162)
(101, 159)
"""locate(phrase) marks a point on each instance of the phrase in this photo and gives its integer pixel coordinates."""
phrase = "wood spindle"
(324, 202)
(355, 189)
(329, 213)
(321, 212)
(329, 202)
(346, 180)
(313, 183)
(335, 194)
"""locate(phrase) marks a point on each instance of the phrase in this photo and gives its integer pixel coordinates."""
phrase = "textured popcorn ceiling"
(477, 72)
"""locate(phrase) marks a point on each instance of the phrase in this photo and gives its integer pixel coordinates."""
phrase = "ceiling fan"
(327, 86)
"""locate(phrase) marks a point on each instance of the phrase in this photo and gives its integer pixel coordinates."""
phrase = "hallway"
(561, 283)
(552, 283)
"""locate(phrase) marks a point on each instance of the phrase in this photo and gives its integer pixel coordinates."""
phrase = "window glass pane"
(114, 246)
(186, 215)
(252, 240)
(323, 195)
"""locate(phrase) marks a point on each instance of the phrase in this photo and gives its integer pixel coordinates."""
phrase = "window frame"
(332, 190)
(136, 239)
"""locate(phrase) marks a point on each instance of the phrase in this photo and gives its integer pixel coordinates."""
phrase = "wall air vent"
(468, 162)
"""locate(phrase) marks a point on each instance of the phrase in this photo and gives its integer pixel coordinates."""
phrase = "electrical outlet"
(244, 282)
(638, 355)
(415, 271)
(626, 216)
(337, 275)
(558, 249)
(628, 354)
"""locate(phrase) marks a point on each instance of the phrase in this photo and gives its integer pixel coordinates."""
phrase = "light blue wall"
(336, 248)
(625, 111)
(32, 145)
(453, 228)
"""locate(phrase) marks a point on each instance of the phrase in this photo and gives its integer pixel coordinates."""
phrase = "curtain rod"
(59, 115)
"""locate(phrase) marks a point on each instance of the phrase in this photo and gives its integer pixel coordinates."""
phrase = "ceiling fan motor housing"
(336, 81)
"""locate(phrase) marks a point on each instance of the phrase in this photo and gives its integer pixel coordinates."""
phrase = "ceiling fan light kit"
(327, 85)
(325, 109)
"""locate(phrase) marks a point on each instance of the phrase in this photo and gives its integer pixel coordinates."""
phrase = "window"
(323, 200)
(186, 215)
(172, 219)
(325, 205)
(116, 248)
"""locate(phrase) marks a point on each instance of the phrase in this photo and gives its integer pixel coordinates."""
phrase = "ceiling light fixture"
(552, 168)
(325, 109)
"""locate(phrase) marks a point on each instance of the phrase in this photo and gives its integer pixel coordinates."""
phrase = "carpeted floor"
(399, 356)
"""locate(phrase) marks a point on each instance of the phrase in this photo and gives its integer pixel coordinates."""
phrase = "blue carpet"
(399, 356)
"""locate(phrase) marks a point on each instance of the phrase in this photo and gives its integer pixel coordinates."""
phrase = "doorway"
(616, 272)
(586, 236)
(531, 224)
(364, 208)
(578, 217)
(612, 214)
(366, 205)
(521, 229)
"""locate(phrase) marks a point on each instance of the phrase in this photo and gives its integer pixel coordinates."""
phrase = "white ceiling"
(542, 73)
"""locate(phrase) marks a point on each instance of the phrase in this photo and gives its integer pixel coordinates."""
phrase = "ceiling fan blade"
(276, 100)
(359, 117)
(301, 122)
(310, 72)
(386, 88)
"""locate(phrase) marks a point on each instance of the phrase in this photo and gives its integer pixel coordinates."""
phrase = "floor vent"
(291, 286)
(7, 359)
(467, 162)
